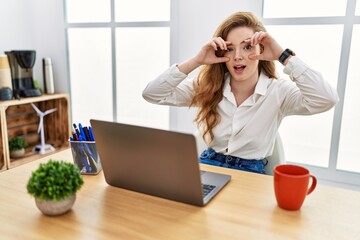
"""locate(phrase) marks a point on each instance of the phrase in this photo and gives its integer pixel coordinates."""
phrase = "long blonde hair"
(210, 82)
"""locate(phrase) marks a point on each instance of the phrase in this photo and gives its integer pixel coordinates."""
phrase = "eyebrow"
(244, 41)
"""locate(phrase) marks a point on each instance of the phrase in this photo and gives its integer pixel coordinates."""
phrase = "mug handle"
(313, 184)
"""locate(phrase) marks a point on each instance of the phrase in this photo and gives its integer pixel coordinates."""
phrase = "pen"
(84, 158)
(76, 130)
(90, 159)
(81, 130)
(91, 134)
(86, 131)
(74, 136)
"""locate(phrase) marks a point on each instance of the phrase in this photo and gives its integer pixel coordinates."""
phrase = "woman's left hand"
(269, 48)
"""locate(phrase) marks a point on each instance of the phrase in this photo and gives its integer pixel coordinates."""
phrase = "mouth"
(239, 68)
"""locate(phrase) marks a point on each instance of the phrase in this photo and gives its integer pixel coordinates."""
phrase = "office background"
(40, 25)
(53, 31)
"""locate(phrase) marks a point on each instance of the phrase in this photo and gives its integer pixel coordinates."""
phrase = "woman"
(240, 100)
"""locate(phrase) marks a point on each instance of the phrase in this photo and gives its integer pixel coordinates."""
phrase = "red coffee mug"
(291, 185)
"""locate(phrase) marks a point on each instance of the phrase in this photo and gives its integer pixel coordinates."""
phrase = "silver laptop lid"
(151, 161)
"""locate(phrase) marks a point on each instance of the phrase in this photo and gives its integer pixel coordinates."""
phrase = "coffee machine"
(21, 65)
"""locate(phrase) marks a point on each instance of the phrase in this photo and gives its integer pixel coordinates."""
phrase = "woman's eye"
(248, 47)
(228, 51)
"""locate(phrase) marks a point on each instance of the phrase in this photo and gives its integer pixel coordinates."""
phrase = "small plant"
(17, 143)
(54, 181)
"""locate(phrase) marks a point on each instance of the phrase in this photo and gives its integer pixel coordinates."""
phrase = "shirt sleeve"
(310, 94)
(171, 88)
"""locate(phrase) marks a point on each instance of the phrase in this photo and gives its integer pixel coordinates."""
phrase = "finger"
(253, 38)
(223, 44)
(261, 37)
(214, 45)
(255, 56)
(220, 43)
(257, 38)
(222, 59)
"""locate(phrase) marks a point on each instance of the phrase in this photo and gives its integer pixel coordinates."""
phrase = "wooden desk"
(245, 209)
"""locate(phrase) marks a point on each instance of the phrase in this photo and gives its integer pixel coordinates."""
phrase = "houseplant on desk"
(54, 185)
(17, 147)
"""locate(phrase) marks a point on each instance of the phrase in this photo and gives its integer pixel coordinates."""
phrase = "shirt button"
(226, 150)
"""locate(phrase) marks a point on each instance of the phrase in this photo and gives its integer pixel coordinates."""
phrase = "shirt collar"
(261, 86)
(260, 89)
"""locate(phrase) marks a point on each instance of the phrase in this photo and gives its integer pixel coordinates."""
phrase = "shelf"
(29, 157)
(18, 118)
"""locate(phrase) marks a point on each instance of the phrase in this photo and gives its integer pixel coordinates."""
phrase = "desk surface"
(245, 209)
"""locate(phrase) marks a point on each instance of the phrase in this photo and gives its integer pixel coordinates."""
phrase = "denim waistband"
(253, 165)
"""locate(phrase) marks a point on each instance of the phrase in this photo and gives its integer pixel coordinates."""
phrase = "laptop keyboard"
(207, 188)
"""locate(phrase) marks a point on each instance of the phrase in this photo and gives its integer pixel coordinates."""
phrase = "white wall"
(197, 22)
(36, 25)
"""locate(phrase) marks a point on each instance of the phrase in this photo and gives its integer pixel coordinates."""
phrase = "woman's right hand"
(206, 55)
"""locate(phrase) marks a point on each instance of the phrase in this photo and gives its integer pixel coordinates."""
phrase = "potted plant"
(17, 147)
(54, 185)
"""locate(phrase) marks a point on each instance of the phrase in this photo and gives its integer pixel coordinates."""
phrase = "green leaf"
(54, 180)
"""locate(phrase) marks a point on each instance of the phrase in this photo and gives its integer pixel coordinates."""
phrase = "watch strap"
(285, 54)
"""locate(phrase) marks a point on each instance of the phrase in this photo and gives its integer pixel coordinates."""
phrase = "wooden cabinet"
(18, 118)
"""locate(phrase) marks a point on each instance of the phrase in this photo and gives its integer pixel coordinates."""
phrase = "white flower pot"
(54, 208)
(17, 153)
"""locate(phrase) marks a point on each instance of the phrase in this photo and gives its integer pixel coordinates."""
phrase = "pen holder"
(86, 157)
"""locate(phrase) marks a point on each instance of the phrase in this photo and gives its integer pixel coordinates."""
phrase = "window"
(86, 11)
(349, 147)
(327, 39)
(138, 61)
(130, 11)
(304, 8)
(113, 50)
(321, 124)
(91, 85)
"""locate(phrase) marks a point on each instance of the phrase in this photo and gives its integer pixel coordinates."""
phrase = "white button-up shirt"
(249, 130)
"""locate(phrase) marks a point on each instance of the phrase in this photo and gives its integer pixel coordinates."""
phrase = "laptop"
(155, 162)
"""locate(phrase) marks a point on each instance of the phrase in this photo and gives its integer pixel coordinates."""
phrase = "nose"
(238, 55)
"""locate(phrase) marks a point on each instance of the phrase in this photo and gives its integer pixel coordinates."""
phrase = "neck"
(243, 87)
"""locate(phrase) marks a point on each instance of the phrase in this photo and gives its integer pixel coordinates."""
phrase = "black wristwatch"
(285, 55)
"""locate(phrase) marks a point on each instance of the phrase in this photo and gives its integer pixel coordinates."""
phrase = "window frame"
(332, 175)
(113, 25)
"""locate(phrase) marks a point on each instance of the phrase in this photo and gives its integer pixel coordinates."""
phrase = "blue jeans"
(209, 156)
